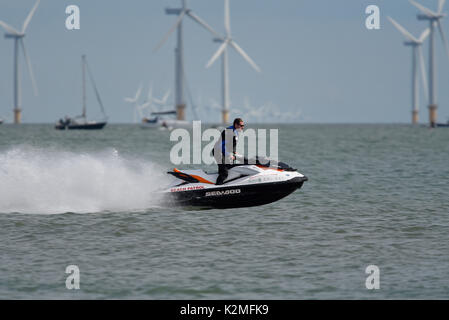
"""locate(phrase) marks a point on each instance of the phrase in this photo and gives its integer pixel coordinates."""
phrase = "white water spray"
(36, 180)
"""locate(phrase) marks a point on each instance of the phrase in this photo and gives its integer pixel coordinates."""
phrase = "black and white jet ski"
(247, 185)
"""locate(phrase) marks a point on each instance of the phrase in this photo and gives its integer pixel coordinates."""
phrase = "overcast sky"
(315, 55)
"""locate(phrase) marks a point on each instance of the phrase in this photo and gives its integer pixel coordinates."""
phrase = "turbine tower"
(222, 51)
(417, 55)
(12, 33)
(179, 53)
(434, 19)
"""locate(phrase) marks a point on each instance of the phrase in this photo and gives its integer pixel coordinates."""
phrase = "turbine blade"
(178, 21)
(167, 94)
(30, 69)
(204, 24)
(217, 54)
(162, 101)
(443, 37)
(8, 28)
(227, 19)
(145, 105)
(150, 92)
(423, 72)
(30, 15)
(402, 30)
(440, 5)
(424, 35)
(423, 9)
(244, 55)
(138, 93)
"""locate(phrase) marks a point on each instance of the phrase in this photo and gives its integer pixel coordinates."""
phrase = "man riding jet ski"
(252, 183)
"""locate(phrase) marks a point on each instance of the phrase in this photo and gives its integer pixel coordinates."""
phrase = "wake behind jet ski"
(246, 185)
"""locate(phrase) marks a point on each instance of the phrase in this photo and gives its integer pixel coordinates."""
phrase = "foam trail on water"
(36, 180)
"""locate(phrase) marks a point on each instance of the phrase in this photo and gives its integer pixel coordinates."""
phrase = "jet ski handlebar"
(265, 162)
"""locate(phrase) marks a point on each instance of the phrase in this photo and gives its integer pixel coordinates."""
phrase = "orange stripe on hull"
(200, 179)
(269, 168)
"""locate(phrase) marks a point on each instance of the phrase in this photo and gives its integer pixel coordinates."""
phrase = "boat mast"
(83, 62)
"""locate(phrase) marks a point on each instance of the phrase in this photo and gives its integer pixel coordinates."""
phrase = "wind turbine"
(416, 45)
(148, 103)
(179, 53)
(434, 19)
(222, 51)
(151, 101)
(162, 102)
(134, 101)
(12, 33)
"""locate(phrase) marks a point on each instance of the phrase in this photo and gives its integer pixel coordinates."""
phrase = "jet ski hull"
(235, 196)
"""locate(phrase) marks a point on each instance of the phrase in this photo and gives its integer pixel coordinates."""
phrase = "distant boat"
(80, 122)
(174, 124)
(158, 120)
(151, 123)
(443, 125)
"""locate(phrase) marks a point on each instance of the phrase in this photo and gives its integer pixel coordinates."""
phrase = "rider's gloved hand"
(230, 159)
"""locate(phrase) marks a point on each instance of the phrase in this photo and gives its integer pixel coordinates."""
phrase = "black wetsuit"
(223, 155)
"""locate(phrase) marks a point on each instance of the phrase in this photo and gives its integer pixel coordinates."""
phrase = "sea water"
(376, 195)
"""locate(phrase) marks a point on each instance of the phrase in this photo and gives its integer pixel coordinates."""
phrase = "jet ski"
(252, 183)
